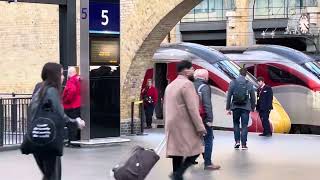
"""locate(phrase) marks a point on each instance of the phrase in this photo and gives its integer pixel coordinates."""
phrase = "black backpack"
(45, 131)
(240, 93)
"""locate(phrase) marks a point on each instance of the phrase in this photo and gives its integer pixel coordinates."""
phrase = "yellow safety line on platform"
(138, 102)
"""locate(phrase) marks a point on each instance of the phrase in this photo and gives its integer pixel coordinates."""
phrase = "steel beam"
(85, 68)
(67, 34)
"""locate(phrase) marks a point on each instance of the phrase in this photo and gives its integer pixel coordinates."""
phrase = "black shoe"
(269, 135)
(244, 147)
(71, 145)
(175, 176)
(237, 145)
(195, 162)
(263, 134)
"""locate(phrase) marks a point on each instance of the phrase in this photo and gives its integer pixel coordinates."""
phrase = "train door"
(161, 82)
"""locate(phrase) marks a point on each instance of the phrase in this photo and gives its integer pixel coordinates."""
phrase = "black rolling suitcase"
(139, 164)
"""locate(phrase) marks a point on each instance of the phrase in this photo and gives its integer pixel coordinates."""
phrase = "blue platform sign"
(104, 18)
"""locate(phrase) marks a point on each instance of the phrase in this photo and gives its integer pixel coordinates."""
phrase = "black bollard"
(132, 120)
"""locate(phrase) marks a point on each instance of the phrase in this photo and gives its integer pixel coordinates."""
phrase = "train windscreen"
(232, 70)
(312, 67)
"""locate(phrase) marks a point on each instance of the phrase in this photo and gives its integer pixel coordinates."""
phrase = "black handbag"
(45, 131)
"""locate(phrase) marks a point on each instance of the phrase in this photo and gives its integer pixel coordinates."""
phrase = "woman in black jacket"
(49, 91)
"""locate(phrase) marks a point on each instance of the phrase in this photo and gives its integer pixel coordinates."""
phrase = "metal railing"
(13, 119)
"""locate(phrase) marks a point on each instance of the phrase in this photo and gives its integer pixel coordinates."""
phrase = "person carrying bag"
(46, 121)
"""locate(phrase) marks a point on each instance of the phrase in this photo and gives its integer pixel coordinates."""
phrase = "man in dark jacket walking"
(203, 89)
(241, 100)
(264, 106)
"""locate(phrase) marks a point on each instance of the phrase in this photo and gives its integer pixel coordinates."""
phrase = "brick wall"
(126, 126)
(148, 24)
(29, 37)
(241, 32)
(126, 8)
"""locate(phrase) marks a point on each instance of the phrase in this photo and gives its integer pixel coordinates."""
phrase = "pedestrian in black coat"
(264, 106)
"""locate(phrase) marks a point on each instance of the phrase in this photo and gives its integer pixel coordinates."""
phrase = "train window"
(232, 71)
(251, 69)
(312, 67)
(281, 76)
(227, 68)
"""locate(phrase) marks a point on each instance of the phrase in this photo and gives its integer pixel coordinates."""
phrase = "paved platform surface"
(293, 157)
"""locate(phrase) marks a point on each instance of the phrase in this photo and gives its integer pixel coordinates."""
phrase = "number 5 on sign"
(84, 13)
(104, 15)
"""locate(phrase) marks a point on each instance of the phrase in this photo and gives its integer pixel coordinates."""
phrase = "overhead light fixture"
(272, 34)
(263, 34)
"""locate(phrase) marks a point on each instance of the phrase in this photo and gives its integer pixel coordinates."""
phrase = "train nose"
(279, 120)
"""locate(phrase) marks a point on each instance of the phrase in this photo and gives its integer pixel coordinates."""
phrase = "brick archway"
(142, 32)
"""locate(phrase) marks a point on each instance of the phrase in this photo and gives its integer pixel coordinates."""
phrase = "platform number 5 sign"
(84, 13)
(104, 15)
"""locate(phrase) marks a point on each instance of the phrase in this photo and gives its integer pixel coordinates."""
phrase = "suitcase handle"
(159, 148)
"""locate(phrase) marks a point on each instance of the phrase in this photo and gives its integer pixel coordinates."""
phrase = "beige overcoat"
(182, 118)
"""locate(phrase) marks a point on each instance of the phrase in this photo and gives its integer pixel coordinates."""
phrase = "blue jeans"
(244, 115)
(208, 143)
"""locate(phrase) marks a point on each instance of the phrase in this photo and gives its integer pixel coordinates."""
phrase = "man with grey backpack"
(241, 100)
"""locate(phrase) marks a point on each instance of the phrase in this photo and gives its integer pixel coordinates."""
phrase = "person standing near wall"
(71, 99)
(150, 99)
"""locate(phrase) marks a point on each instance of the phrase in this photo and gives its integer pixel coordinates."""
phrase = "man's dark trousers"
(264, 116)
(73, 131)
(149, 108)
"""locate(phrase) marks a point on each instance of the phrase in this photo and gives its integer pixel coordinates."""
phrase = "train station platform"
(291, 157)
(280, 157)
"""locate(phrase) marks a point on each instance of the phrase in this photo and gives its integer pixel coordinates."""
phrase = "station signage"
(104, 51)
(104, 18)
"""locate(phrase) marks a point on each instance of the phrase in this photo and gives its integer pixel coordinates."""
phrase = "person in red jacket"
(150, 99)
(72, 102)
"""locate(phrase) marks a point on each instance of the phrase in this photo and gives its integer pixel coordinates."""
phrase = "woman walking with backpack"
(47, 97)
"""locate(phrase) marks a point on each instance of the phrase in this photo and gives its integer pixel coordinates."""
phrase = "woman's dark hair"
(182, 65)
(51, 76)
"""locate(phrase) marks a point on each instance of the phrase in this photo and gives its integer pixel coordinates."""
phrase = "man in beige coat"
(183, 124)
